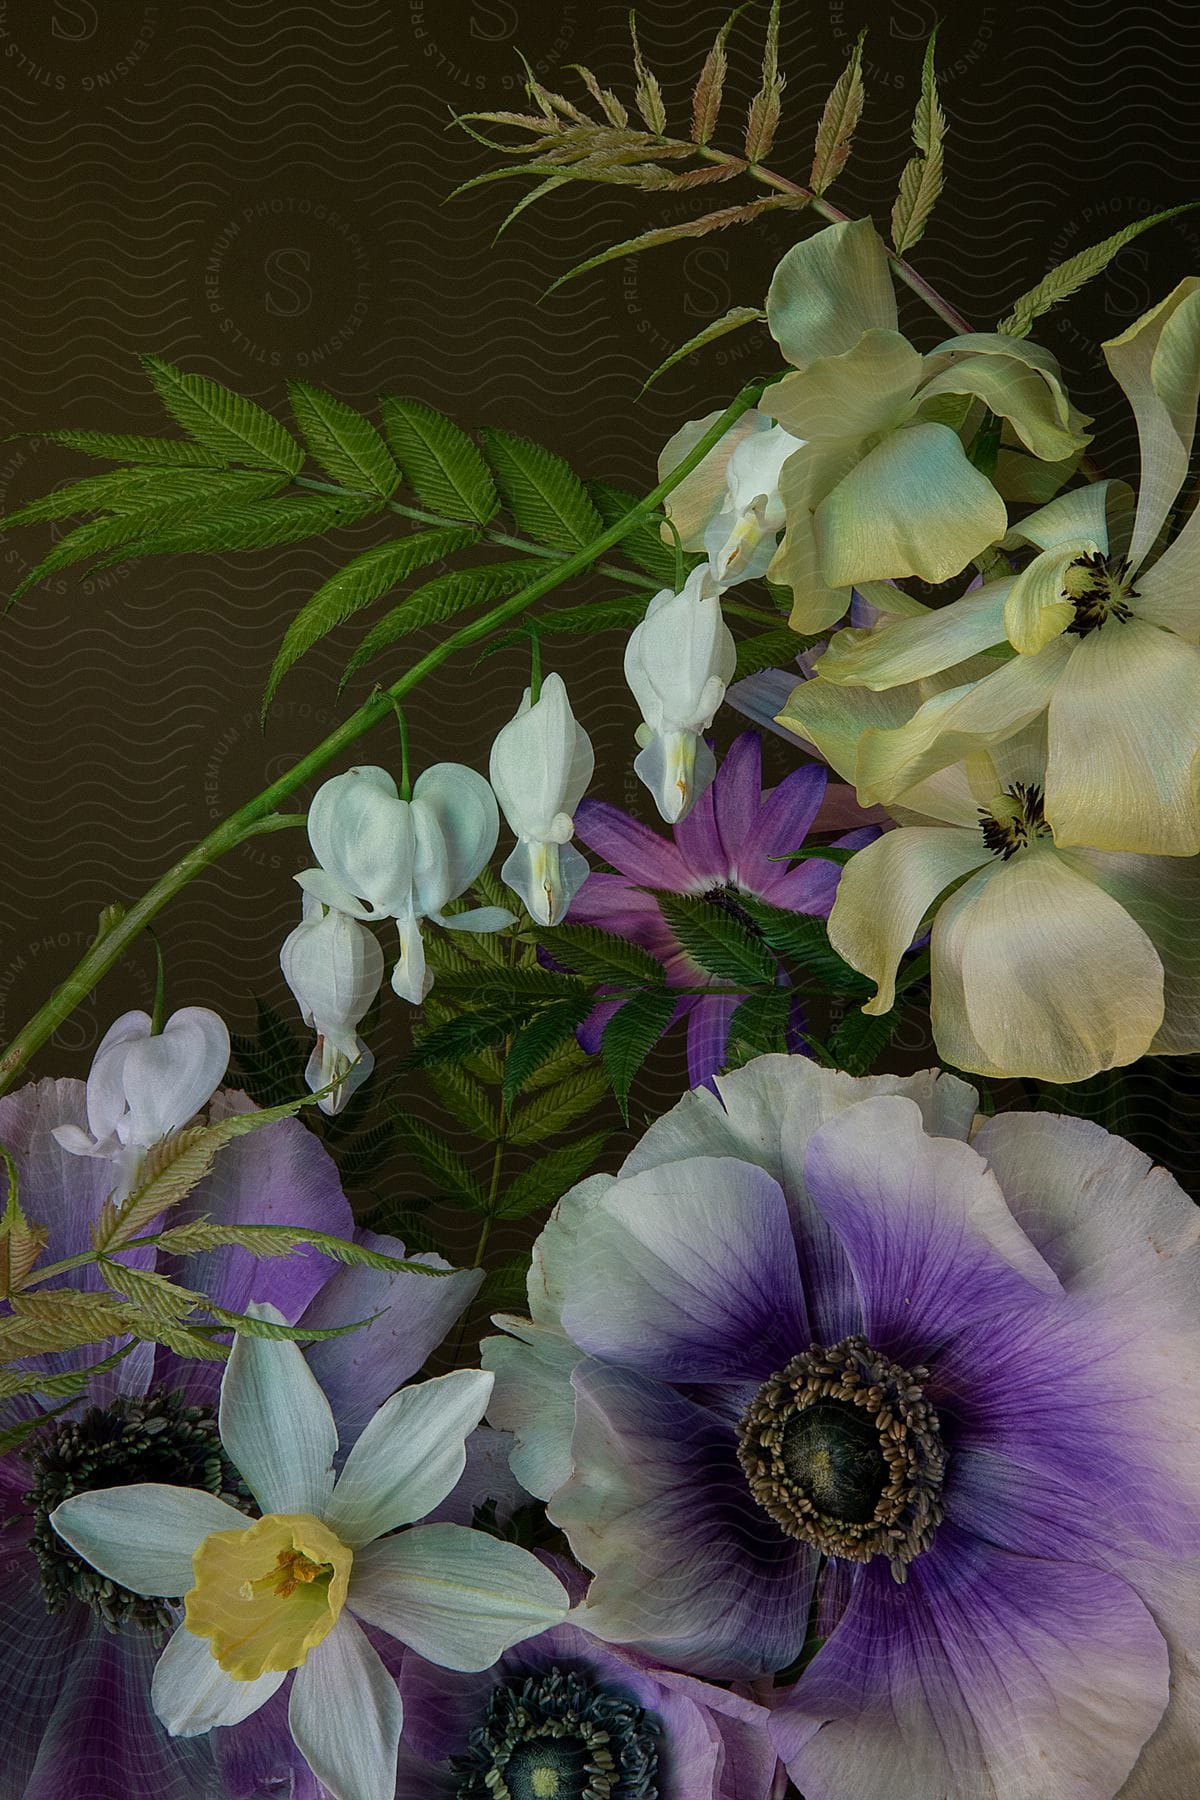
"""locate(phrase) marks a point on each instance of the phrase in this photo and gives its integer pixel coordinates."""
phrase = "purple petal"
(712, 833)
(632, 848)
(103, 1738)
(486, 1476)
(781, 823)
(37, 1646)
(762, 697)
(699, 843)
(589, 1033)
(931, 1243)
(708, 1035)
(359, 1371)
(687, 1567)
(811, 886)
(985, 1674)
(686, 1273)
(609, 902)
(258, 1757)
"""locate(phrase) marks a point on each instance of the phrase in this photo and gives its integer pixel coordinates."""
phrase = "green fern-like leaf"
(224, 422)
(921, 182)
(121, 446)
(438, 458)
(346, 445)
(1070, 276)
(839, 122)
(441, 599)
(287, 519)
(629, 1037)
(548, 1179)
(551, 1110)
(733, 320)
(543, 494)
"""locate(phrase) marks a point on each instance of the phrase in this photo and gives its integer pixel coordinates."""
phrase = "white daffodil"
(144, 1085)
(286, 1591)
(678, 662)
(334, 967)
(1106, 624)
(730, 504)
(541, 764)
(382, 857)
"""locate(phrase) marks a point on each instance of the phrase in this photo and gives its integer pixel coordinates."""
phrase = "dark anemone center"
(1015, 818)
(559, 1736)
(728, 900)
(831, 1452)
(1098, 587)
(155, 1437)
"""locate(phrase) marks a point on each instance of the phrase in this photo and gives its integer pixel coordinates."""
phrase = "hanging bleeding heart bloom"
(541, 764)
(383, 857)
(678, 662)
(730, 504)
(144, 1085)
(334, 967)
(286, 1591)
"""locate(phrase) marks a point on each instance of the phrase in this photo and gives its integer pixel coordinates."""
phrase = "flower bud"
(540, 767)
(334, 967)
(678, 662)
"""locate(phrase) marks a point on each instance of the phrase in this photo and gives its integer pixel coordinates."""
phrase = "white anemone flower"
(334, 967)
(383, 857)
(730, 505)
(541, 763)
(678, 662)
(144, 1085)
(284, 1592)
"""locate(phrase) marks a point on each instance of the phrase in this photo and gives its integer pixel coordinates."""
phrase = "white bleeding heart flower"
(334, 967)
(678, 663)
(730, 505)
(383, 857)
(541, 763)
(144, 1085)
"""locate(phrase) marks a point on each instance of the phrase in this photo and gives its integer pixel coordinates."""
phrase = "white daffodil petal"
(1157, 365)
(477, 918)
(275, 1422)
(1124, 743)
(456, 1597)
(191, 1693)
(700, 494)
(828, 290)
(318, 884)
(345, 1715)
(956, 722)
(676, 767)
(885, 891)
(914, 648)
(143, 1536)
(334, 967)
(913, 506)
(537, 762)
(1059, 981)
(409, 1456)
(468, 818)
(106, 1102)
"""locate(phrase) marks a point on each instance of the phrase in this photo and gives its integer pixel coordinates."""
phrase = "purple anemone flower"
(723, 848)
(76, 1656)
(837, 1341)
(563, 1714)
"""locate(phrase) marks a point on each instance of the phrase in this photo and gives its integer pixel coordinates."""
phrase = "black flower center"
(1014, 819)
(559, 1736)
(1098, 587)
(727, 899)
(843, 1451)
(152, 1438)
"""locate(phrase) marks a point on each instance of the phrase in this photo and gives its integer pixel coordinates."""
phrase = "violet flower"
(723, 849)
(814, 1343)
(77, 1655)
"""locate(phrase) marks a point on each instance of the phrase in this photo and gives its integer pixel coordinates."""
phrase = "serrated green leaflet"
(758, 1027)
(804, 940)
(537, 1041)
(431, 1152)
(733, 320)
(539, 1116)
(921, 182)
(504, 1288)
(135, 489)
(599, 956)
(123, 446)
(716, 939)
(629, 1037)
(720, 220)
(98, 538)
(279, 1240)
(346, 445)
(858, 1041)
(642, 545)
(223, 421)
(441, 599)
(286, 519)
(548, 1179)
(839, 121)
(1071, 275)
(543, 494)
(438, 458)
(365, 579)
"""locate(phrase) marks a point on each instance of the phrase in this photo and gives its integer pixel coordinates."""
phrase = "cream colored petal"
(1157, 362)
(1038, 610)
(1163, 895)
(700, 495)
(864, 390)
(1124, 739)
(948, 1019)
(914, 506)
(796, 565)
(957, 722)
(828, 290)
(886, 890)
(1059, 981)
(834, 718)
(1169, 592)
(1083, 513)
(1016, 392)
(913, 648)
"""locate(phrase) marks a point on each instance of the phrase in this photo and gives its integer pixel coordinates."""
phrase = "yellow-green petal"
(1018, 393)
(1157, 362)
(1083, 513)
(1038, 610)
(886, 890)
(1163, 895)
(1059, 981)
(865, 390)
(834, 718)
(913, 506)
(914, 648)
(796, 563)
(266, 1596)
(1170, 590)
(1124, 743)
(828, 290)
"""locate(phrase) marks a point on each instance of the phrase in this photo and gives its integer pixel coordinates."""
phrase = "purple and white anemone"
(834, 1365)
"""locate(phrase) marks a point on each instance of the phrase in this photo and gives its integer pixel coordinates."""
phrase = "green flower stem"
(631, 577)
(259, 814)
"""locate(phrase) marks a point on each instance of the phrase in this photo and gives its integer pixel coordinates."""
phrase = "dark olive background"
(255, 190)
